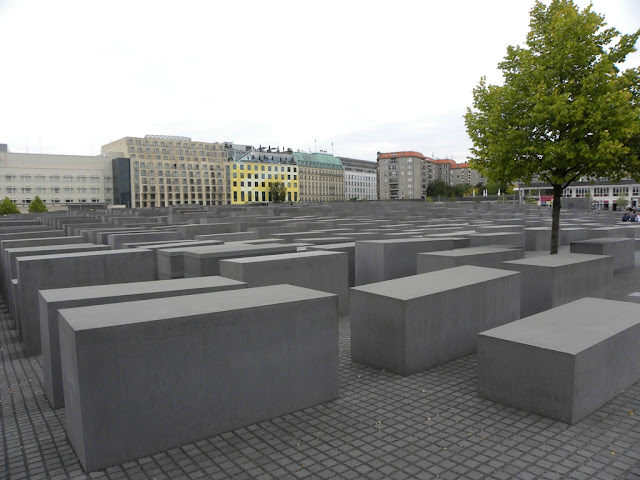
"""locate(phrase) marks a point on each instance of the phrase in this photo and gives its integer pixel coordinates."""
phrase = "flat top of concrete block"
(62, 247)
(608, 228)
(113, 315)
(282, 256)
(334, 246)
(416, 286)
(572, 327)
(463, 252)
(124, 251)
(333, 239)
(404, 240)
(558, 260)
(114, 289)
(604, 240)
(497, 234)
(545, 229)
(182, 244)
(213, 251)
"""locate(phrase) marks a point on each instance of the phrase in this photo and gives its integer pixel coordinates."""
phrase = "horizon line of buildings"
(165, 170)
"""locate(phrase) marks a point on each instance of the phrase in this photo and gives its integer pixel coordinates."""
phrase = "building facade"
(603, 194)
(253, 175)
(321, 177)
(360, 179)
(462, 174)
(404, 175)
(171, 170)
(59, 180)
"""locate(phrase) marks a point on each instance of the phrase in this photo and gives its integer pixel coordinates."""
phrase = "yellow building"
(253, 175)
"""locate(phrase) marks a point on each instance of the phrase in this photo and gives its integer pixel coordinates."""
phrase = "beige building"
(321, 177)
(462, 174)
(404, 175)
(59, 180)
(164, 170)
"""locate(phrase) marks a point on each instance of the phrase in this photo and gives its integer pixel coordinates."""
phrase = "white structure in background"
(58, 180)
(359, 179)
(603, 194)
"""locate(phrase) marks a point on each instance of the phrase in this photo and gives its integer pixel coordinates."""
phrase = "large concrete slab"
(207, 364)
(622, 250)
(324, 271)
(203, 261)
(414, 323)
(349, 248)
(490, 256)
(43, 272)
(56, 299)
(553, 280)
(563, 363)
(380, 260)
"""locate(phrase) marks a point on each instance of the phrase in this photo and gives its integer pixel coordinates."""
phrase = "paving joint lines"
(427, 425)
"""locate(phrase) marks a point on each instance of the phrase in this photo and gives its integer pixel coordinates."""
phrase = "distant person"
(625, 217)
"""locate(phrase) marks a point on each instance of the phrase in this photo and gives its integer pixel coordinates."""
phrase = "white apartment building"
(58, 180)
(360, 177)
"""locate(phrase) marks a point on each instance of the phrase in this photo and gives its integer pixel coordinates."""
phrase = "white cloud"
(365, 75)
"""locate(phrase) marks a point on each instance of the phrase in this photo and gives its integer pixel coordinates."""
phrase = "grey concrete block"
(143, 377)
(349, 248)
(324, 271)
(56, 299)
(573, 234)
(537, 238)
(622, 250)
(564, 363)
(553, 280)
(116, 240)
(608, 232)
(490, 256)
(379, 260)
(414, 323)
(515, 239)
(43, 272)
(203, 261)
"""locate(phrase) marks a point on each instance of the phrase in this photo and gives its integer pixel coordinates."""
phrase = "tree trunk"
(555, 219)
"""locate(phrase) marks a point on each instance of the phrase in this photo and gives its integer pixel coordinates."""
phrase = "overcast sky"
(365, 76)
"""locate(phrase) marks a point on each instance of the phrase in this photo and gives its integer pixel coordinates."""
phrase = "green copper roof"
(318, 160)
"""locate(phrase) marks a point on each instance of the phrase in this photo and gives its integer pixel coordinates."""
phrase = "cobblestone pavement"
(383, 426)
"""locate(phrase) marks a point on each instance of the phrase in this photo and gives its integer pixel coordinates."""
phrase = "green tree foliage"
(278, 192)
(7, 207)
(565, 110)
(37, 205)
(438, 188)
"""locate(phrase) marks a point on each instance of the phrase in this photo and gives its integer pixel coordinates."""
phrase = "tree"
(278, 192)
(437, 188)
(564, 111)
(7, 207)
(37, 205)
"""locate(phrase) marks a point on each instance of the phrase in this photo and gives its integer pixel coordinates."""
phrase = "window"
(55, 189)
(26, 189)
(25, 177)
(11, 189)
(94, 178)
(40, 178)
(82, 178)
(41, 189)
(54, 178)
(68, 178)
(68, 189)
